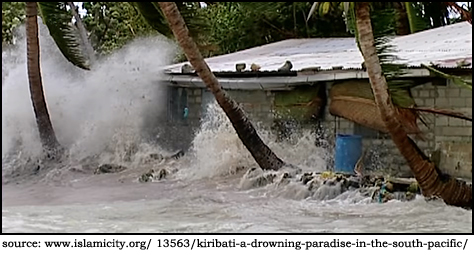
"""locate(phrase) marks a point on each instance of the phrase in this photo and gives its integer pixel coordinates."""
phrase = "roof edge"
(279, 83)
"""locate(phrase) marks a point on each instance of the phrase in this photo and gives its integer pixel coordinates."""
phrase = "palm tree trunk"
(402, 25)
(45, 128)
(265, 157)
(431, 180)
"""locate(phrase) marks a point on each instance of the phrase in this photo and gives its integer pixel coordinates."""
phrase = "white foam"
(90, 110)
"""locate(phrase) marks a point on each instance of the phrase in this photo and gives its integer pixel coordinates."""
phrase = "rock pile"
(329, 185)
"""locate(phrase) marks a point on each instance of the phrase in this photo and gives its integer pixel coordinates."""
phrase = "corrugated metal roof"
(445, 46)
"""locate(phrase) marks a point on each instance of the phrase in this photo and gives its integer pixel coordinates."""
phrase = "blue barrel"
(348, 151)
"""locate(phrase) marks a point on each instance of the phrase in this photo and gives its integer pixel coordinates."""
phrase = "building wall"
(453, 137)
(447, 140)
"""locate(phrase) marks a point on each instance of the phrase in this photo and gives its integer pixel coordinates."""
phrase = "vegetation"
(264, 156)
(241, 25)
(431, 180)
(112, 24)
(13, 14)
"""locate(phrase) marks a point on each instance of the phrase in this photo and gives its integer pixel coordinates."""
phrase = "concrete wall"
(453, 137)
(447, 140)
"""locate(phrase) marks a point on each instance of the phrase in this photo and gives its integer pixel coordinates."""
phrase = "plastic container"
(348, 152)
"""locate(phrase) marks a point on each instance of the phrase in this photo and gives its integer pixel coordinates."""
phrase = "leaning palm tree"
(262, 154)
(431, 180)
(45, 127)
(67, 42)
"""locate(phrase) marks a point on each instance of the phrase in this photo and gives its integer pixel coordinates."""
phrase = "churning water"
(100, 117)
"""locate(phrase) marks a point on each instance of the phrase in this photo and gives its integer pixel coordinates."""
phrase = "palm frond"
(456, 79)
(312, 10)
(154, 17)
(151, 12)
(64, 34)
(416, 21)
(444, 112)
(384, 31)
(402, 97)
(349, 14)
(346, 8)
(392, 68)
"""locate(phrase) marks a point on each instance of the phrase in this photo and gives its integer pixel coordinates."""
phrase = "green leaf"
(414, 19)
(456, 79)
(13, 14)
(154, 17)
(66, 37)
(196, 24)
(324, 9)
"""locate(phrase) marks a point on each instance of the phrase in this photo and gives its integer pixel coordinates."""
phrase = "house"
(322, 66)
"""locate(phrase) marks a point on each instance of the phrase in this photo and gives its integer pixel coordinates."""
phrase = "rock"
(162, 174)
(187, 68)
(387, 196)
(402, 184)
(239, 67)
(353, 182)
(177, 154)
(410, 196)
(109, 168)
(152, 175)
(254, 67)
(156, 156)
(414, 188)
(146, 177)
(389, 186)
(306, 177)
(314, 184)
(286, 67)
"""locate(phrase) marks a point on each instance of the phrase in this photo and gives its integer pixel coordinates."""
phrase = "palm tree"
(45, 127)
(57, 22)
(431, 180)
(264, 156)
